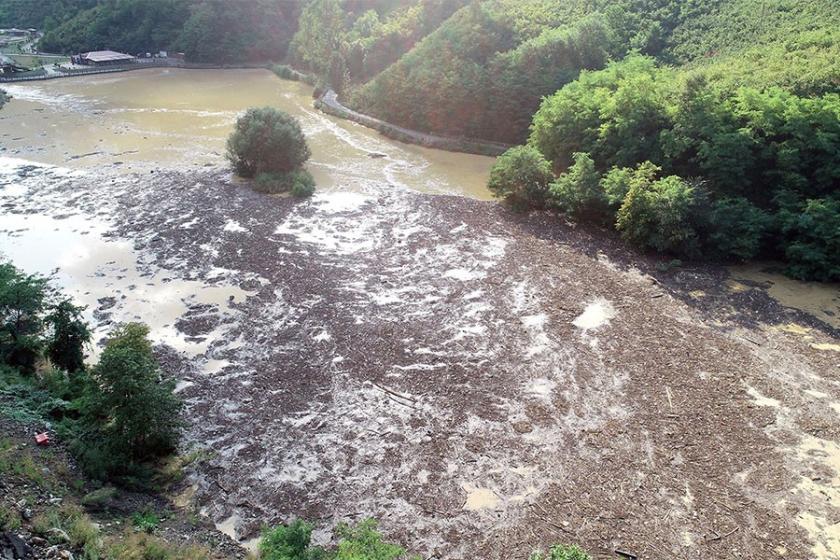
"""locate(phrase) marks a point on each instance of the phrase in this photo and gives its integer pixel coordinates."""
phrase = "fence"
(141, 64)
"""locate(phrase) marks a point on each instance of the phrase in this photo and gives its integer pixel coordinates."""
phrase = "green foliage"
(364, 542)
(41, 14)
(146, 521)
(9, 519)
(266, 140)
(68, 338)
(205, 30)
(618, 181)
(257, 30)
(561, 552)
(660, 215)
(134, 26)
(751, 149)
(360, 542)
(142, 546)
(99, 499)
(299, 182)
(737, 228)
(128, 415)
(578, 190)
(289, 542)
(23, 300)
(813, 230)
(521, 176)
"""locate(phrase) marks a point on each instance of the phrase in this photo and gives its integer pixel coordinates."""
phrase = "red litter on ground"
(42, 439)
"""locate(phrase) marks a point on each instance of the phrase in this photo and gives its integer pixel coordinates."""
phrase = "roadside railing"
(140, 64)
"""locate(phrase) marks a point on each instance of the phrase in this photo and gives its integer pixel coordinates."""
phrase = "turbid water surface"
(175, 118)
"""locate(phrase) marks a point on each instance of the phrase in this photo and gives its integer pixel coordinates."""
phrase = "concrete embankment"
(330, 104)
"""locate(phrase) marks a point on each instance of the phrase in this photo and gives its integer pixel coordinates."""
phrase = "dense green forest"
(205, 30)
(39, 14)
(483, 72)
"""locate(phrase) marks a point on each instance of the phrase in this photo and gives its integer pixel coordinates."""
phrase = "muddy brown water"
(175, 118)
(378, 352)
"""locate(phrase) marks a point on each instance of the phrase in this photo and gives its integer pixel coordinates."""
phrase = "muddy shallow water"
(483, 383)
(163, 118)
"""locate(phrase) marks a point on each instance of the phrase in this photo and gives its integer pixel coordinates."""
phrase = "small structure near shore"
(103, 58)
(8, 65)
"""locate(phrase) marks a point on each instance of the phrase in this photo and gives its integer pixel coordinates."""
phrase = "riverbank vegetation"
(118, 416)
(268, 145)
(682, 164)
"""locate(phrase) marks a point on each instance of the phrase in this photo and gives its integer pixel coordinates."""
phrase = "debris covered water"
(483, 383)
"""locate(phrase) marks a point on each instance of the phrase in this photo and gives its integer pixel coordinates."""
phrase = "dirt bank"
(481, 382)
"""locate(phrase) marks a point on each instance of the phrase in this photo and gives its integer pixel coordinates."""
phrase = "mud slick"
(481, 382)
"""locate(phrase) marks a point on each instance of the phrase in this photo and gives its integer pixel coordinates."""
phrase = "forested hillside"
(205, 30)
(705, 128)
(483, 72)
(39, 13)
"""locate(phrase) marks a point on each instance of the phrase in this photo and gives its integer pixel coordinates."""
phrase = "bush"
(142, 546)
(23, 300)
(814, 230)
(521, 176)
(289, 542)
(359, 542)
(578, 191)
(266, 140)
(619, 180)
(129, 416)
(70, 334)
(285, 72)
(146, 521)
(562, 552)
(299, 182)
(661, 216)
(364, 542)
(737, 228)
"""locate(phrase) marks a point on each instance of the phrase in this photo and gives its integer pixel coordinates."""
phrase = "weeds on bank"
(17, 461)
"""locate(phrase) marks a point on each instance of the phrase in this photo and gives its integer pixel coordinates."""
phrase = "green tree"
(521, 176)
(266, 140)
(737, 228)
(812, 230)
(129, 416)
(661, 215)
(70, 334)
(578, 190)
(23, 300)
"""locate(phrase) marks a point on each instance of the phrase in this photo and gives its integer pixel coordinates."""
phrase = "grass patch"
(18, 462)
(141, 546)
(146, 521)
(9, 519)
